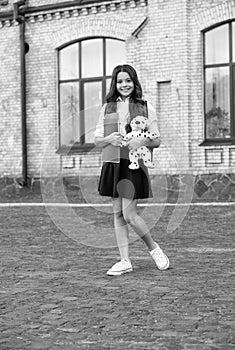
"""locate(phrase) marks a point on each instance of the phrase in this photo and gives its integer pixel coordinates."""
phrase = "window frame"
(81, 147)
(231, 65)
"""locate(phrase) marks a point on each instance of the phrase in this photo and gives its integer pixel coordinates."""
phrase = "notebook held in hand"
(111, 153)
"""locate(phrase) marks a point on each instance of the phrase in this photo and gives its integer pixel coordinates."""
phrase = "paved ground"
(55, 293)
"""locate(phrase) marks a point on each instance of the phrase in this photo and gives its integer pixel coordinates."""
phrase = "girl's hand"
(136, 142)
(115, 139)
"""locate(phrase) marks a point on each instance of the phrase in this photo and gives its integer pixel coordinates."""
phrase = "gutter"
(21, 20)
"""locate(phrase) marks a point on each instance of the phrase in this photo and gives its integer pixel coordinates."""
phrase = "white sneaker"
(160, 258)
(120, 268)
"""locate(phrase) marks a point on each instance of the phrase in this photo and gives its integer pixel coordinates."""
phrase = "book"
(111, 153)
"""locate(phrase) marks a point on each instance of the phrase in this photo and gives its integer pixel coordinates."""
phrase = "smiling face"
(125, 85)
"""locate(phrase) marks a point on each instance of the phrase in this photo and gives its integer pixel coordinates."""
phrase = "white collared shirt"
(123, 112)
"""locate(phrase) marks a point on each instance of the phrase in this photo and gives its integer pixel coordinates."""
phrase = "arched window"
(85, 69)
(219, 78)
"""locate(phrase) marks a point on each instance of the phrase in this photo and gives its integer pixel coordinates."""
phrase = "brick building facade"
(164, 40)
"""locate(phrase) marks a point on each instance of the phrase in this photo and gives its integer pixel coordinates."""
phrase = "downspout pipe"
(21, 20)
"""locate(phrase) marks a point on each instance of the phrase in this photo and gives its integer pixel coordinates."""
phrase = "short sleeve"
(152, 120)
(99, 131)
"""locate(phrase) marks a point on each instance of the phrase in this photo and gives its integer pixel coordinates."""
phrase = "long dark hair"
(113, 94)
(137, 105)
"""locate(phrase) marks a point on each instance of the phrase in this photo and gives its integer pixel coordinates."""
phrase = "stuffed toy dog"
(138, 129)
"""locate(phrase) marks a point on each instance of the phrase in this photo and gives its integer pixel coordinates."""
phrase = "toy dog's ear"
(128, 128)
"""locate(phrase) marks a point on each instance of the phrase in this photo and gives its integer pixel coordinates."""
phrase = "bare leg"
(131, 216)
(121, 229)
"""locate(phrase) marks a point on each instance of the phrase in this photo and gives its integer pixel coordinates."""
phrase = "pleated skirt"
(117, 180)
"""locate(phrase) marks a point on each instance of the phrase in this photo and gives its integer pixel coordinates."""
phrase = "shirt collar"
(119, 99)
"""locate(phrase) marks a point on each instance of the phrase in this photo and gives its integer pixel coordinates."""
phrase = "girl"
(117, 181)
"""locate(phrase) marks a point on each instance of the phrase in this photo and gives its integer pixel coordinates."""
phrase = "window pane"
(92, 105)
(92, 58)
(69, 111)
(233, 41)
(217, 103)
(217, 45)
(115, 54)
(108, 81)
(68, 58)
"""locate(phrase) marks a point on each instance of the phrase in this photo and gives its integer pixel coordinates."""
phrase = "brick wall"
(201, 5)
(210, 159)
(167, 53)
(10, 109)
(44, 38)
(45, 34)
(171, 68)
(163, 64)
(5, 5)
(43, 2)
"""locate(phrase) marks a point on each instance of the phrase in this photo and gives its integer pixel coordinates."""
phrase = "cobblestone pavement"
(55, 293)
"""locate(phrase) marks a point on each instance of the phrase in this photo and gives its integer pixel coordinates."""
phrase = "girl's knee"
(118, 215)
(131, 218)
(119, 219)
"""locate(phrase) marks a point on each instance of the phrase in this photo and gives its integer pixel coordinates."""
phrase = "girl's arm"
(114, 139)
(153, 143)
(135, 142)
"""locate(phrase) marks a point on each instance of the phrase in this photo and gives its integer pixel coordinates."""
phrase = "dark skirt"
(117, 180)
